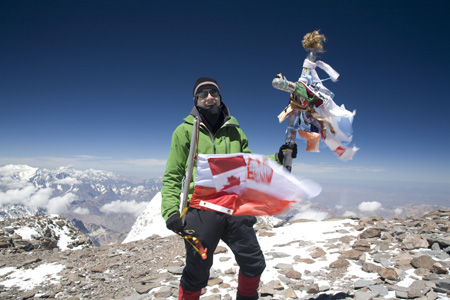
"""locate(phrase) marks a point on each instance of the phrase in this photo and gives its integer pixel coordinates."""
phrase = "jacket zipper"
(213, 139)
(210, 136)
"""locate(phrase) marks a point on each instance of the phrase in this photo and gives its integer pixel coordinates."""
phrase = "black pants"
(210, 227)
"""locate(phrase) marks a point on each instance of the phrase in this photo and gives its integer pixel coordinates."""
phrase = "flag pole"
(312, 43)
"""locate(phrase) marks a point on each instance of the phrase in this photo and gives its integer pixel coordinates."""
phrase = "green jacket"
(228, 139)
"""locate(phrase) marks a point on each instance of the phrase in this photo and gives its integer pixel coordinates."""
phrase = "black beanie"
(205, 83)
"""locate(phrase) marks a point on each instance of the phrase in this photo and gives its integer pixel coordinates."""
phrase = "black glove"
(284, 148)
(174, 223)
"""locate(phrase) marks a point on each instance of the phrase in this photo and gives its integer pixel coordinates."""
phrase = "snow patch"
(27, 279)
(26, 233)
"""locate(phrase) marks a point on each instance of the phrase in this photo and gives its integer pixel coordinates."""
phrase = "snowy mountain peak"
(25, 173)
(90, 174)
(19, 172)
(149, 222)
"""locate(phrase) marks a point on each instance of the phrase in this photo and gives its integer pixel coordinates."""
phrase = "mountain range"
(101, 203)
(106, 206)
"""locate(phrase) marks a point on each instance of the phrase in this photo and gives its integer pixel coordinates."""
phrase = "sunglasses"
(204, 94)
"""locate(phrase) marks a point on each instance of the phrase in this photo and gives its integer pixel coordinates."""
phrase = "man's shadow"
(337, 296)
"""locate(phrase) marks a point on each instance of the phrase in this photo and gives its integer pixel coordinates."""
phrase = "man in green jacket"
(219, 134)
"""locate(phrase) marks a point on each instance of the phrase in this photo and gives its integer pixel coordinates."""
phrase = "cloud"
(76, 161)
(306, 212)
(118, 206)
(369, 206)
(86, 157)
(147, 162)
(68, 180)
(42, 198)
(322, 168)
(81, 211)
(60, 205)
(349, 213)
(17, 196)
(398, 211)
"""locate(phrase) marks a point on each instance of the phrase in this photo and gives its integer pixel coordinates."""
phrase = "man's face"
(208, 98)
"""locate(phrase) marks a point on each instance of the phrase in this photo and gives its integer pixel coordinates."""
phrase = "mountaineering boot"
(247, 287)
(188, 295)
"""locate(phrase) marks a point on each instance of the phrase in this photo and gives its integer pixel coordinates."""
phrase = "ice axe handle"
(190, 168)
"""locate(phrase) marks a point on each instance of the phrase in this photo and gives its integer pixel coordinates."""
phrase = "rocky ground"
(373, 258)
(40, 233)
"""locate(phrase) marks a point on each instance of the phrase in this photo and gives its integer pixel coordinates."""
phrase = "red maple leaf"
(232, 181)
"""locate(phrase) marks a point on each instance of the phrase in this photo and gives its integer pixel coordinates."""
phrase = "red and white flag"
(247, 184)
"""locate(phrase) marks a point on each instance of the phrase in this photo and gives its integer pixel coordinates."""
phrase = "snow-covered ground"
(310, 235)
(292, 240)
(291, 244)
(30, 278)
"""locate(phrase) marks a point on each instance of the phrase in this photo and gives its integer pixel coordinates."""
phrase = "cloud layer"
(30, 195)
(143, 167)
(119, 206)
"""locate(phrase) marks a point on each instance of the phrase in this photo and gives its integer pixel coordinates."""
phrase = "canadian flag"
(247, 184)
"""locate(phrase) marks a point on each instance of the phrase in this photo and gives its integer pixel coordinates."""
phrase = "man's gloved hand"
(174, 223)
(284, 148)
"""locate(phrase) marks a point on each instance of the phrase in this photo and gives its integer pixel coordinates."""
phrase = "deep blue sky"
(102, 84)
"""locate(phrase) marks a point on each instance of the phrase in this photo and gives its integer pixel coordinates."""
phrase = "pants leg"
(240, 236)
(208, 227)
